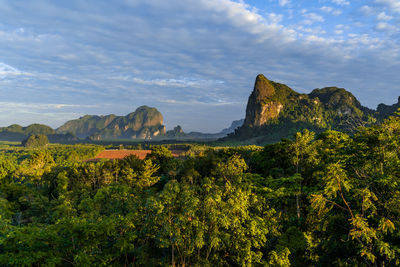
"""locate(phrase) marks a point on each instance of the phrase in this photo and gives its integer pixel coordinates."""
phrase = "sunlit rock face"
(260, 107)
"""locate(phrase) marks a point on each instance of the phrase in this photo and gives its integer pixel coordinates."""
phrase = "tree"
(357, 202)
(162, 157)
(36, 140)
(300, 148)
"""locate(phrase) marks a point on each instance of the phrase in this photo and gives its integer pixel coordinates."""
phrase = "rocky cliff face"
(261, 106)
(144, 123)
(86, 125)
(275, 111)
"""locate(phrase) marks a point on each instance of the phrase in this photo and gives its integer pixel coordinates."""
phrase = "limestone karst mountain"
(144, 123)
(275, 111)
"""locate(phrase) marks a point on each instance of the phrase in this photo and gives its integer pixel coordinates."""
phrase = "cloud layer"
(194, 60)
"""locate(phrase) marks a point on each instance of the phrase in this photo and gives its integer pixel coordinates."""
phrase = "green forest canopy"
(331, 199)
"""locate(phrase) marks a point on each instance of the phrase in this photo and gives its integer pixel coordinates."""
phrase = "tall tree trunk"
(298, 194)
(173, 256)
(298, 205)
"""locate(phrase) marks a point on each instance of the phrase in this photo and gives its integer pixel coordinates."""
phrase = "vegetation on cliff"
(275, 111)
(387, 110)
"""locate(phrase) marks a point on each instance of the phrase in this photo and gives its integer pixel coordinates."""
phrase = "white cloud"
(341, 26)
(185, 82)
(275, 18)
(317, 31)
(284, 2)
(386, 27)
(331, 10)
(25, 113)
(191, 102)
(40, 106)
(312, 17)
(366, 10)
(6, 71)
(341, 2)
(393, 5)
(384, 16)
(180, 51)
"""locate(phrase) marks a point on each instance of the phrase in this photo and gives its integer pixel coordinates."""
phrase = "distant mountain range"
(275, 111)
(145, 123)
(178, 134)
(16, 132)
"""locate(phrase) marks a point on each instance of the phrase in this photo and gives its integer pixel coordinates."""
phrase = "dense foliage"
(36, 140)
(322, 200)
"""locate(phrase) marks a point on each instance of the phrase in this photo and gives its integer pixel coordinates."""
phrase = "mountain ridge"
(275, 111)
(178, 133)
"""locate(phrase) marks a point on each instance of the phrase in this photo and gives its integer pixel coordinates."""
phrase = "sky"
(194, 60)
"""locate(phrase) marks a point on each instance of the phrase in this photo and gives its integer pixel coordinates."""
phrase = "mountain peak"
(144, 107)
(263, 88)
(263, 104)
(334, 95)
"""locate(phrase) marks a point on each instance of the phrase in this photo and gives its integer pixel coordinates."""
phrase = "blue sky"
(195, 60)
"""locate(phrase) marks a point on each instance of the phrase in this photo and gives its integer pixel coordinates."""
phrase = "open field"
(120, 154)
